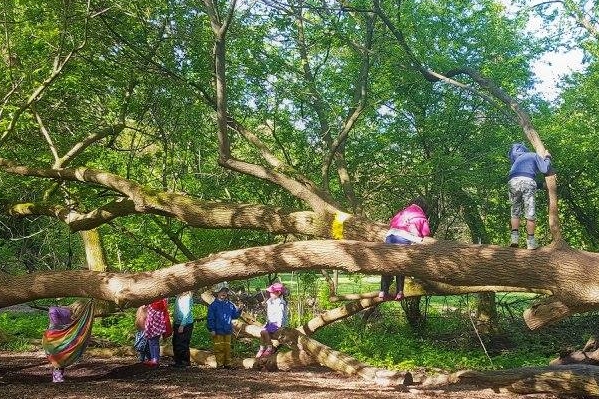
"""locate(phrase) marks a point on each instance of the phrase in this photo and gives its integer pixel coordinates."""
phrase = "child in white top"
(276, 315)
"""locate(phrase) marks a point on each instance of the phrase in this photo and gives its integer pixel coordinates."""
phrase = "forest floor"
(27, 375)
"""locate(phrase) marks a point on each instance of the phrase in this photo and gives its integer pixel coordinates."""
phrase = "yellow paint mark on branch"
(337, 227)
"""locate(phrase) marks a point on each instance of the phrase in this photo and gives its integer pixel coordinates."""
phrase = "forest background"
(138, 135)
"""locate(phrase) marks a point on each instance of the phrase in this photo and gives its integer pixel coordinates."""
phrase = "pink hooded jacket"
(412, 220)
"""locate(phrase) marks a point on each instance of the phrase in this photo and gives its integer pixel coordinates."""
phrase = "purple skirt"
(271, 327)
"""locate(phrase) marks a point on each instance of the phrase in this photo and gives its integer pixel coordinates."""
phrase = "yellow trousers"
(222, 349)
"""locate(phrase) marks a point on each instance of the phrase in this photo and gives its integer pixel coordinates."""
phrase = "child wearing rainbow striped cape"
(66, 338)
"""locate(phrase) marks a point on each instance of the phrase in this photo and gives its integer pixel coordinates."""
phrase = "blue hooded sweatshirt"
(220, 315)
(525, 163)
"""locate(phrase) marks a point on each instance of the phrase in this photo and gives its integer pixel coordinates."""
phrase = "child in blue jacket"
(221, 313)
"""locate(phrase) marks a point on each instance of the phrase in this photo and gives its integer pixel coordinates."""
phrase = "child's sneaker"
(260, 353)
(57, 376)
(514, 238)
(151, 363)
(399, 296)
(531, 243)
(384, 296)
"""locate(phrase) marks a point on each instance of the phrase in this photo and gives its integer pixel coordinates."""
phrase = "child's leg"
(176, 344)
(385, 284)
(400, 280)
(385, 278)
(227, 350)
(265, 341)
(219, 349)
(528, 197)
(181, 344)
(146, 352)
(185, 342)
(516, 210)
(154, 344)
(269, 349)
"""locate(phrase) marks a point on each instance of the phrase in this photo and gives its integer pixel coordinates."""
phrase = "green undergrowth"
(450, 342)
(446, 341)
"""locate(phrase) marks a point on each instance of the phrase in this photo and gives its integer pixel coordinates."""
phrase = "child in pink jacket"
(408, 226)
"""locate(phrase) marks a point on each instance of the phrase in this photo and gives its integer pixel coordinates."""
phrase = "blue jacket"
(525, 163)
(220, 316)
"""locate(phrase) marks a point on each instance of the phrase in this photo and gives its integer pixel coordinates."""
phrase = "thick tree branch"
(305, 192)
(337, 146)
(317, 103)
(566, 273)
(194, 212)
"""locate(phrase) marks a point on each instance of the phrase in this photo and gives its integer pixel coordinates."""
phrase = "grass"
(449, 342)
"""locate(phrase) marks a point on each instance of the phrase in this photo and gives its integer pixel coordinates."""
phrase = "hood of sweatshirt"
(516, 150)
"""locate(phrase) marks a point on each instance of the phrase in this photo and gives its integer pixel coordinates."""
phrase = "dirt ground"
(27, 375)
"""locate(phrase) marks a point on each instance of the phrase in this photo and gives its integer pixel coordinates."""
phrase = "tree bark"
(567, 274)
(580, 381)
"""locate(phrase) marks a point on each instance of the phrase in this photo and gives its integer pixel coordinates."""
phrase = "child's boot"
(384, 296)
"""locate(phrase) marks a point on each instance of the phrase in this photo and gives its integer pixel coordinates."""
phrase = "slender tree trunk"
(94, 250)
(411, 307)
(487, 321)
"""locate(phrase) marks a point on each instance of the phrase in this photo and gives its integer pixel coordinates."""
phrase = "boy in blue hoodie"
(221, 313)
(522, 186)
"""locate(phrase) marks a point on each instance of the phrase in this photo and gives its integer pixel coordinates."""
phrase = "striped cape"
(65, 346)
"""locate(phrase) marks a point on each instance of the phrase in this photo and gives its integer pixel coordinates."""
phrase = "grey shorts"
(522, 197)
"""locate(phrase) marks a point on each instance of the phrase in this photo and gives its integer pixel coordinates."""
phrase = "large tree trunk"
(567, 274)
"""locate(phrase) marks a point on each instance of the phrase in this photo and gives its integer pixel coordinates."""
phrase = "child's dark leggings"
(386, 282)
(181, 343)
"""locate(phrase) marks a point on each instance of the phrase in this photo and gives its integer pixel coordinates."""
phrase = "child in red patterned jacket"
(158, 324)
